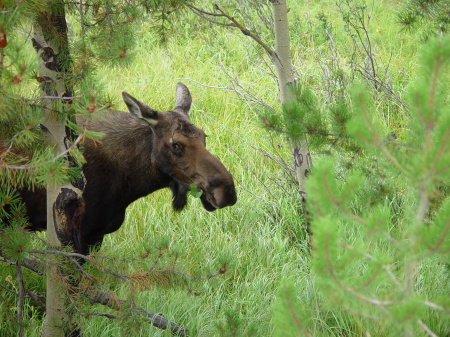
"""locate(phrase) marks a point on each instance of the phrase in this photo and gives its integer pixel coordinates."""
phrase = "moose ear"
(140, 110)
(183, 99)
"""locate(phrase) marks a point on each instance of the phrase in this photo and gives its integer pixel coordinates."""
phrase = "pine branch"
(13, 9)
(296, 319)
(31, 167)
(331, 270)
(379, 141)
(111, 301)
(106, 297)
(33, 265)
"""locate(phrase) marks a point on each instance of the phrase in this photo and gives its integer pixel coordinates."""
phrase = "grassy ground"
(261, 239)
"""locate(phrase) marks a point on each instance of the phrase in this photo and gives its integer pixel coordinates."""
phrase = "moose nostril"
(222, 190)
(228, 196)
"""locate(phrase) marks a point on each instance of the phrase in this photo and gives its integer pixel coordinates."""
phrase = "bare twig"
(36, 298)
(43, 97)
(241, 91)
(358, 18)
(204, 85)
(268, 190)
(207, 16)
(234, 23)
(174, 271)
(257, 148)
(102, 314)
(436, 306)
(9, 290)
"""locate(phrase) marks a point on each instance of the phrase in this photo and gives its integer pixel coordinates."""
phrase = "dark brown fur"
(141, 152)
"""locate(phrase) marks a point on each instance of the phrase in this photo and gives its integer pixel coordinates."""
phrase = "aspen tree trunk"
(50, 41)
(283, 64)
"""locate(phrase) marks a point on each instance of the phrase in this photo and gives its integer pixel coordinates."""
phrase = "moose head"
(179, 150)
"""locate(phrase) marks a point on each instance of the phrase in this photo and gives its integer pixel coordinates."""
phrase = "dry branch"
(234, 23)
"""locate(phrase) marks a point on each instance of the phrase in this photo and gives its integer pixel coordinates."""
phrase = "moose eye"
(176, 147)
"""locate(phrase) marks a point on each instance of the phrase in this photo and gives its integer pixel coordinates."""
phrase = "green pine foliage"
(429, 16)
(377, 231)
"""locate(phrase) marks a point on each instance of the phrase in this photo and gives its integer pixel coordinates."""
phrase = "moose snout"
(225, 196)
(218, 187)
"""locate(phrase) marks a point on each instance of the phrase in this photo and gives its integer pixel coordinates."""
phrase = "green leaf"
(195, 191)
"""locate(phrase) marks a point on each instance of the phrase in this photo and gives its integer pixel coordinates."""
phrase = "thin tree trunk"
(286, 82)
(20, 296)
(50, 41)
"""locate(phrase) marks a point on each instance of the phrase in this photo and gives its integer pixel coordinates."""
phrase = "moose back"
(141, 152)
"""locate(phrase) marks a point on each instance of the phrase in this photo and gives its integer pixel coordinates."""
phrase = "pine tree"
(380, 215)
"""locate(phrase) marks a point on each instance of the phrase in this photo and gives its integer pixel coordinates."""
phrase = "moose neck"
(127, 159)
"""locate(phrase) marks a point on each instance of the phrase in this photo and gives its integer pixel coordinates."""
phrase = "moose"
(140, 152)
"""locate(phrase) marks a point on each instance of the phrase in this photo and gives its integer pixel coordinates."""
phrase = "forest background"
(372, 97)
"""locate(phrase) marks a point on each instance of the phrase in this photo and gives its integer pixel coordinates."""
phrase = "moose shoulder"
(141, 152)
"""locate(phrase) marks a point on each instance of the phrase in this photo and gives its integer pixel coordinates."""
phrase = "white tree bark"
(50, 41)
(283, 63)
